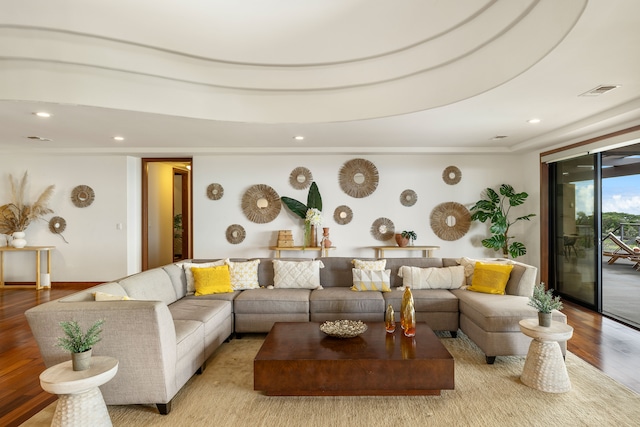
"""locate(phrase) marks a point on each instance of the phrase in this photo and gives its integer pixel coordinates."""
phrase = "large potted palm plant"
(495, 208)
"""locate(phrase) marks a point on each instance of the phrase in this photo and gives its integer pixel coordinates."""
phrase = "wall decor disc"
(235, 234)
(451, 175)
(82, 196)
(383, 229)
(408, 198)
(358, 178)
(57, 225)
(450, 220)
(261, 204)
(300, 178)
(343, 215)
(215, 191)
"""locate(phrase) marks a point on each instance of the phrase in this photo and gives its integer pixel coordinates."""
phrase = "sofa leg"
(454, 334)
(490, 359)
(164, 408)
(201, 368)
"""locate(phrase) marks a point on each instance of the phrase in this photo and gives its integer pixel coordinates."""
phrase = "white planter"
(18, 239)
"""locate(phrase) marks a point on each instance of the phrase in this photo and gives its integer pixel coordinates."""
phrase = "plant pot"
(18, 239)
(81, 361)
(401, 241)
(544, 319)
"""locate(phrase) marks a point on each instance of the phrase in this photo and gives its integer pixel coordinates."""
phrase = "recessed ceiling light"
(298, 138)
(43, 114)
(533, 121)
(119, 138)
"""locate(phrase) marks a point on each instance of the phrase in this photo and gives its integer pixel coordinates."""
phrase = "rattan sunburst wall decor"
(343, 215)
(82, 196)
(300, 178)
(383, 229)
(408, 198)
(215, 191)
(450, 220)
(235, 234)
(451, 175)
(261, 204)
(57, 225)
(358, 178)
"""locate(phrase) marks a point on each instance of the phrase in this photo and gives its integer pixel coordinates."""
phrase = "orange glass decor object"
(389, 320)
(406, 298)
(410, 319)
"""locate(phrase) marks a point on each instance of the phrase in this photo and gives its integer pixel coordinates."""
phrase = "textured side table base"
(82, 409)
(544, 368)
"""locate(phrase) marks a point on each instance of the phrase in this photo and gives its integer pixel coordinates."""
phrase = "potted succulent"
(544, 302)
(405, 238)
(80, 344)
(495, 208)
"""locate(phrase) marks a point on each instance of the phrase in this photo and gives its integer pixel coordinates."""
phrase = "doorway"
(166, 211)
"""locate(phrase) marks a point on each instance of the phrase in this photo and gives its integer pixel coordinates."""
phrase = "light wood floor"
(605, 343)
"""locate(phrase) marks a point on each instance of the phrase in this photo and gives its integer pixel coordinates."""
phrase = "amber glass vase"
(406, 297)
(389, 320)
(410, 319)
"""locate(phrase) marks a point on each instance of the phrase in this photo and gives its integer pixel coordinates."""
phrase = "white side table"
(544, 367)
(80, 401)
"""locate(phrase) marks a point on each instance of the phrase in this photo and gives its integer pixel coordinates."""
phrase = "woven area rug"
(484, 395)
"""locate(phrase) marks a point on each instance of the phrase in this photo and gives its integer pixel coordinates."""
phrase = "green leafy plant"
(75, 341)
(544, 301)
(495, 208)
(314, 201)
(411, 235)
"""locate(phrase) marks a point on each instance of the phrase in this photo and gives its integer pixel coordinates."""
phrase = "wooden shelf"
(427, 251)
(323, 251)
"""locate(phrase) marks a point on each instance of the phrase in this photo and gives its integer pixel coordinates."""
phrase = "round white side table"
(544, 368)
(80, 401)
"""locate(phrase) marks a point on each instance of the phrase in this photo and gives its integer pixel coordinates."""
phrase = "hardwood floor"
(604, 343)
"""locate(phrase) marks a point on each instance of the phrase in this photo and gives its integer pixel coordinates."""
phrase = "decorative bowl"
(343, 328)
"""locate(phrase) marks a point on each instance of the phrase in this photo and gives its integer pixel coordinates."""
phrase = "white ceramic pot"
(18, 240)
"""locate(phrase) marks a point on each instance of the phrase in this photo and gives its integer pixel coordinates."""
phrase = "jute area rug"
(484, 395)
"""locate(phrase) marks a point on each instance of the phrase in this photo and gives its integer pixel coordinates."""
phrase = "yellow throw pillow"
(490, 278)
(212, 280)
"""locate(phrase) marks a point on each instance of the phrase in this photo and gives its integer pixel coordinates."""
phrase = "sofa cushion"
(490, 278)
(296, 274)
(210, 312)
(150, 285)
(344, 300)
(244, 274)
(212, 280)
(432, 277)
(269, 301)
(178, 279)
(189, 338)
(424, 300)
(371, 280)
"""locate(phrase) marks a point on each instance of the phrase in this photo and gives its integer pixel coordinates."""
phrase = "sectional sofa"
(162, 334)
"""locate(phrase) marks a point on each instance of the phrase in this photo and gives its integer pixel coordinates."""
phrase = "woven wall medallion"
(300, 178)
(450, 220)
(383, 229)
(261, 204)
(358, 178)
(408, 198)
(451, 175)
(215, 191)
(343, 215)
(57, 225)
(82, 196)
(235, 234)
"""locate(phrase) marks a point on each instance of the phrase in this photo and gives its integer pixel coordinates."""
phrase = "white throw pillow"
(187, 266)
(244, 275)
(378, 264)
(371, 280)
(297, 274)
(103, 296)
(432, 277)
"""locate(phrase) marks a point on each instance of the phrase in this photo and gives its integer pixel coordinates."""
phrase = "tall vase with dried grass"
(16, 215)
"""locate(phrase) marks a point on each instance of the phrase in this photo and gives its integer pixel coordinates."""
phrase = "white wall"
(98, 251)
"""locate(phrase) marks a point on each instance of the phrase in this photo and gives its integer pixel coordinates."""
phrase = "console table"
(37, 250)
(323, 251)
(427, 251)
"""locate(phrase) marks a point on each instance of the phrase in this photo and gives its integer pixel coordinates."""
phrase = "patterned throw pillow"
(378, 264)
(371, 280)
(470, 265)
(244, 275)
(490, 278)
(212, 280)
(297, 274)
(432, 277)
(187, 266)
(103, 296)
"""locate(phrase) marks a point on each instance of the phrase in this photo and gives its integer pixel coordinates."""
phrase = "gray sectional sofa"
(162, 336)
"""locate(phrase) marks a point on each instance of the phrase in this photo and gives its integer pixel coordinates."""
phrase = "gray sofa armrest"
(140, 334)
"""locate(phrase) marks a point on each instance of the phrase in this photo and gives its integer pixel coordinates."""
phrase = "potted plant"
(311, 213)
(80, 344)
(545, 303)
(405, 238)
(495, 208)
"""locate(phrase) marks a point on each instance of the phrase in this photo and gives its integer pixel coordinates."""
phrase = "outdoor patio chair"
(623, 251)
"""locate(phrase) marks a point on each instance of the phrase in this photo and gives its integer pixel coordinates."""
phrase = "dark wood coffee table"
(297, 359)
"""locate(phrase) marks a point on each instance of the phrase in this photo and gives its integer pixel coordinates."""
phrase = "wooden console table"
(323, 251)
(37, 250)
(427, 251)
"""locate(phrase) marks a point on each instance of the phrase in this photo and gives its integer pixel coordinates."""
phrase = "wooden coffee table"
(297, 359)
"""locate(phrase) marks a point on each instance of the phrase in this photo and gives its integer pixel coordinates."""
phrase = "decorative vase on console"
(310, 237)
(326, 243)
(18, 240)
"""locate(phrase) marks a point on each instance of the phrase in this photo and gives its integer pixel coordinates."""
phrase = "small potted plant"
(80, 344)
(544, 302)
(405, 238)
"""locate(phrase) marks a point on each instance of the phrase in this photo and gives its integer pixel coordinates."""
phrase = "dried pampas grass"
(17, 215)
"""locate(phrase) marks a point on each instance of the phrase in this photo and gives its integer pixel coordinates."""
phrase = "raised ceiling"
(350, 76)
